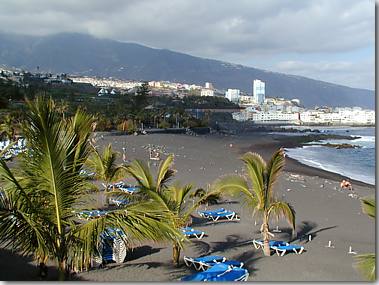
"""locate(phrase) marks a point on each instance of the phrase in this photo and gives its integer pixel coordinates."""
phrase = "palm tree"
(259, 196)
(62, 107)
(365, 263)
(8, 127)
(104, 165)
(174, 199)
(206, 197)
(171, 198)
(40, 195)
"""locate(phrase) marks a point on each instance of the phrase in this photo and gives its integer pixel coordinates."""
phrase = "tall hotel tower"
(258, 91)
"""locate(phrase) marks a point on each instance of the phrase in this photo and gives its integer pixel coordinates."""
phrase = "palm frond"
(274, 167)
(141, 172)
(233, 185)
(81, 126)
(145, 221)
(95, 163)
(181, 193)
(366, 264)
(8, 176)
(199, 192)
(256, 167)
(281, 208)
(20, 226)
(369, 206)
(104, 165)
(165, 173)
(175, 197)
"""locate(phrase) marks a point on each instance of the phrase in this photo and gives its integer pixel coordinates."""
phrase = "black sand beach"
(322, 211)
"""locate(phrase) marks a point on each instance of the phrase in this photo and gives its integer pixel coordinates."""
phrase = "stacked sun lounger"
(280, 247)
(113, 248)
(87, 215)
(190, 232)
(217, 214)
(215, 268)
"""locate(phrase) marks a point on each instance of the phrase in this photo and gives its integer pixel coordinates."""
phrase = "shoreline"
(294, 165)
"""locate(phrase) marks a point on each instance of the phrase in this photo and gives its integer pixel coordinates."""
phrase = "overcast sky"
(330, 40)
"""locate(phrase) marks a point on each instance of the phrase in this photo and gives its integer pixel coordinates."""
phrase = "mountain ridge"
(82, 54)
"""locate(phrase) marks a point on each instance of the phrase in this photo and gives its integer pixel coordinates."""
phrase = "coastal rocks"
(341, 145)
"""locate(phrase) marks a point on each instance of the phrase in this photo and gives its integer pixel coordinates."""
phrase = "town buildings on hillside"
(255, 107)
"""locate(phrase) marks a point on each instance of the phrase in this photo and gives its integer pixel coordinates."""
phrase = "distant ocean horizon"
(354, 163)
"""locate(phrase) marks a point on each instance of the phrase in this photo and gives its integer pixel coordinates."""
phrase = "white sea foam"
(355, 163)
(311, 156)
(365, 139)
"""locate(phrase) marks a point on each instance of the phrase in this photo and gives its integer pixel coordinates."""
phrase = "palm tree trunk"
(176, 254)
(43, 270)
(61, 270)
(266, 237)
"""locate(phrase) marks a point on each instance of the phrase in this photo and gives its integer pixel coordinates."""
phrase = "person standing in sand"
(124, 154)
(345, 184)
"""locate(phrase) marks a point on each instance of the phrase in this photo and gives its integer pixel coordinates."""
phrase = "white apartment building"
(259, 91)
(103, 82)
(250, 114)
(233, 95)
(240, 116)
(194, 87)
(156, 84)
(208, 85)
(247, 100)
(339, 116)
(207, 92)
(275, 116)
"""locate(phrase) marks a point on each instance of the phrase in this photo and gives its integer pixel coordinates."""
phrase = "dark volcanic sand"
(322, 210)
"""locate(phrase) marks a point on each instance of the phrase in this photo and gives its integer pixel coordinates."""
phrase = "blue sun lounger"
(259, 243)
(230, 263)
(198, 263)
(227, 214)
(129, 190)
(219, 272)
(282, 249)
(205, 262)
(205, 214)
(91, 214)
(235, 274)
(118, 201)
(190, 232)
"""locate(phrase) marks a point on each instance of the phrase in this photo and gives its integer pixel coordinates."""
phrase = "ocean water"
(357, 164)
